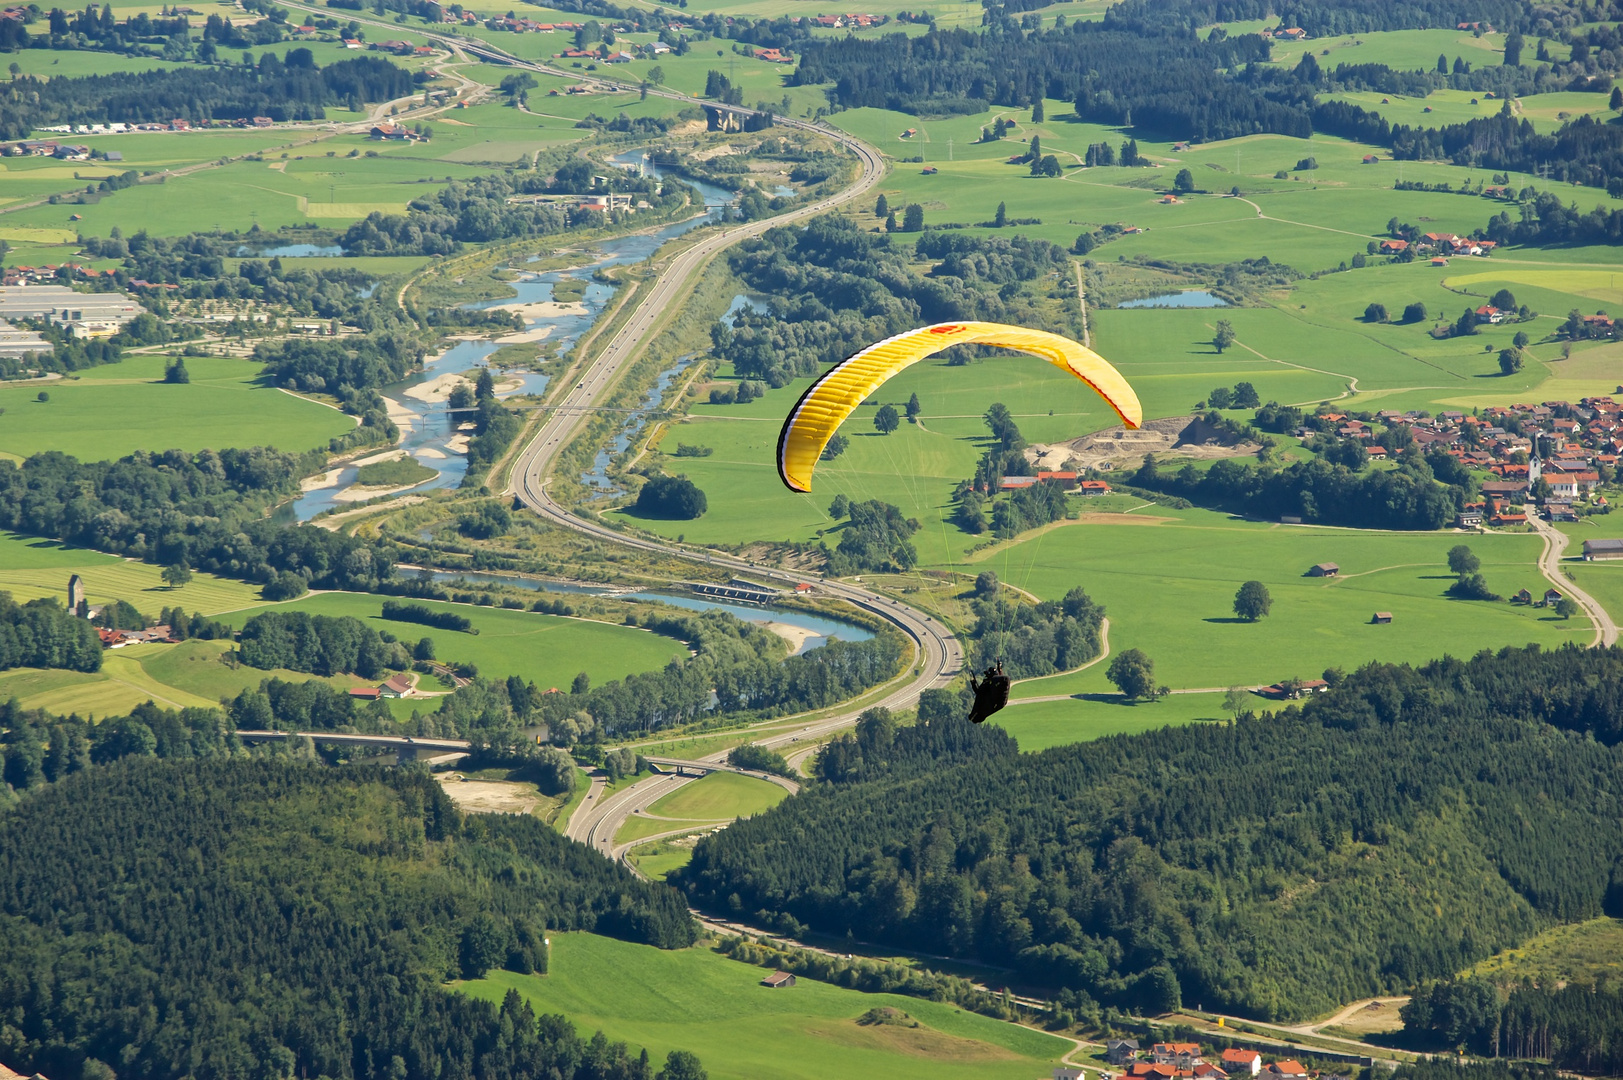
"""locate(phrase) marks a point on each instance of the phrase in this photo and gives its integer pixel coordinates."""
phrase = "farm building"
(1323, 569)
(396, 686)
(1381, 617)
(777, 979)
(1601, 550)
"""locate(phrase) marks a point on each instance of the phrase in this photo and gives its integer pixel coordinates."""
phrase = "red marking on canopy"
(949, 328)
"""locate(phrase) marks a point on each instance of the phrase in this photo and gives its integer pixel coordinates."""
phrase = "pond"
(1189, 298)
(292, 251)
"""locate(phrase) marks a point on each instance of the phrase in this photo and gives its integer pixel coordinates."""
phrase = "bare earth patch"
(1118, 448)
(490, 796)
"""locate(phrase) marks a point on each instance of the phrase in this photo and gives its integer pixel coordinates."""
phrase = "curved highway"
(939, 657)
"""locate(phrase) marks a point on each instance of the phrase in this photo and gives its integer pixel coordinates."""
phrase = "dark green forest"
(1576, 1026)
(321, 644)
(273, 89)
(835, 288)
(1398, 828)
(231, 917)
(42, 633)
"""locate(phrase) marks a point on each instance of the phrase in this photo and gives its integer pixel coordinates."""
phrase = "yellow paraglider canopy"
(828, 401)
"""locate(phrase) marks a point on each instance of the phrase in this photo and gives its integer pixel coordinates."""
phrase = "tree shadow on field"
(1106, 699)
(1228, 619)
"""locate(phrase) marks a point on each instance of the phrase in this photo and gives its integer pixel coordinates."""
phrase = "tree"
(1037, 111)
(1034, 153)
(914, 408)
(986, 585)
(1521, 339)
(1513, 49)
(424, 649)
(175, 372)
(886, 420)
(1415, 312)
(1133, 674)
(484, 387)
(1442, 64)
(1510, 361)
(681, 1065)
(881, 208)
(840, 507)
(913, 218)
(1184, 182)
(483, 947)
(1462, 560)
(42, 396)
(656, 75)
(1504, 300)
(1375, 313)
(1252, 602)
(674, 497)
(1221, 397)
(1224, 337)
(890, 222)
(1001, 218)
(581, 684)
(1237, 700)
(176, 575)
(1246, 396)
(1566, 607)
(1616, 101)
(836, 446)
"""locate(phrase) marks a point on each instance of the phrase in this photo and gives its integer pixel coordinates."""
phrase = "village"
(1187, 1061)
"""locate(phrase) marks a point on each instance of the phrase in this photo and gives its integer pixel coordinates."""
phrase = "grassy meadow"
(696, 1000)
(110, 411)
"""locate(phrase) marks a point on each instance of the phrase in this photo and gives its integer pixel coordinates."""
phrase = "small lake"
(1189, 298)
(821, 628)
(293, 251)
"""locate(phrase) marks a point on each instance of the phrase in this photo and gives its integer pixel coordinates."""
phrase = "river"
(427, 428)
(816, 629)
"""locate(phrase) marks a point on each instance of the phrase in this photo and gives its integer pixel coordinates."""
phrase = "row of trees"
(273, 89)
(1423, 492)
(1140, 870)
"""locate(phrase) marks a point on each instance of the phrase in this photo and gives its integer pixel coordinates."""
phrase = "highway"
(939, 657)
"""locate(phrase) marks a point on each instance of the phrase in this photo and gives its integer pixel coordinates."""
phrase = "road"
(1549, 564)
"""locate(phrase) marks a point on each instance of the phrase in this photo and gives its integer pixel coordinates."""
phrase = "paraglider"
(991, 693)
(833, 397)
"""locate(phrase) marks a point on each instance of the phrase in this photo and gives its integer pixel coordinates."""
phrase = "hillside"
(222, 917)
(1402, 826)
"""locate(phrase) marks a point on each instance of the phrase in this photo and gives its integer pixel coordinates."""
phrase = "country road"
(1549, 564)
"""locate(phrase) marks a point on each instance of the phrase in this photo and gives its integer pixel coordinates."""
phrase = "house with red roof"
(1237, 1061)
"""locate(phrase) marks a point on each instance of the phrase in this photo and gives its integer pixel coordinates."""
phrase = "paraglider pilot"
(991, 693)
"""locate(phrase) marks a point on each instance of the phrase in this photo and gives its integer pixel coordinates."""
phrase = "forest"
(1424, 492)
(274, 89)
(1035, 639)
(325, 909)
(1267, 865)
(205, 509)
(835, 288)
(1575, 1026)
(319, 644)
(44, 634)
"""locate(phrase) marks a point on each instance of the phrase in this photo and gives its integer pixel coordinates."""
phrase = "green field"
(111, 411)
(1041, 724)
(548, 650)
(714, 798)
(31, 567)
(1575, 952)
(699, 1001)
(191, 674)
